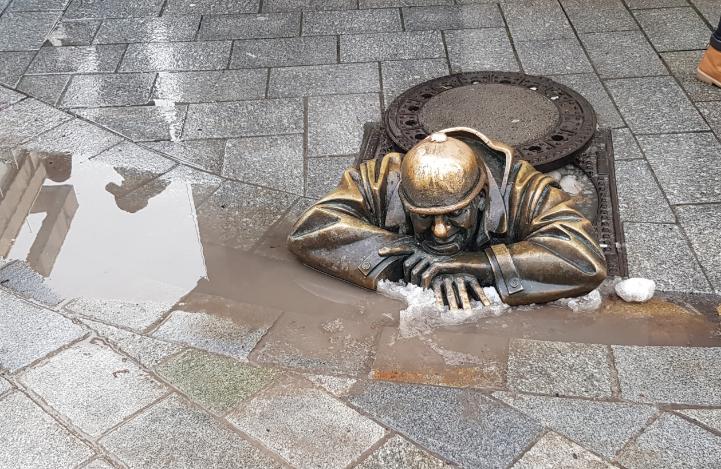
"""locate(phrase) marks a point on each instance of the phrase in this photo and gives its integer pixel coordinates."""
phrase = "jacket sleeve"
(340, 235)
(553, 253)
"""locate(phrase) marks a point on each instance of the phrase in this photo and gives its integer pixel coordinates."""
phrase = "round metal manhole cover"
(546, 122)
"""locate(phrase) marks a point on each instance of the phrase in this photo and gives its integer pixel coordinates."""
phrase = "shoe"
(709, 69)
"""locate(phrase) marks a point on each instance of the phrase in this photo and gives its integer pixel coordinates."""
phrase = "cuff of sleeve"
(508, 281)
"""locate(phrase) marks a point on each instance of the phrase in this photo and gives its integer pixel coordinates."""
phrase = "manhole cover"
(546, 122)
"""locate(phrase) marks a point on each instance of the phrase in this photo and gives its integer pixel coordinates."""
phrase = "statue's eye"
(457, 213)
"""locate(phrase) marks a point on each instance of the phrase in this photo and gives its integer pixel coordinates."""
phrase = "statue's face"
(448, 233)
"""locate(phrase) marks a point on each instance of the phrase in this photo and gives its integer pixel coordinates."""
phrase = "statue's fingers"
(402, 250)
(478, 290)
(418, 270)
(450, 293)
(428, 275)
(462, 293)
(438, 291)
(408, 265)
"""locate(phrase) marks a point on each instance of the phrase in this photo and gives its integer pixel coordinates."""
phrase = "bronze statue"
(440, 219)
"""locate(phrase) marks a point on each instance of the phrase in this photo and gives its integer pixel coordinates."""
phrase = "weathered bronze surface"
(441, 219)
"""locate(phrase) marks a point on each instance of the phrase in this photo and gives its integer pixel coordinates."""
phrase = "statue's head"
(442, 188)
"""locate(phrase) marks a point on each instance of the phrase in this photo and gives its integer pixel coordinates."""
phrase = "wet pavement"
(155, 154)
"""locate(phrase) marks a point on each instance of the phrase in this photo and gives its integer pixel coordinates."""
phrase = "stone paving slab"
(708, 8)
(8, 97)
(296, 5)
(622, 54)
(452, 17)
(625, 146)
(210, 7)
(4, 386)
(323, 22)
(37, 5)
(400, 75)
(400, 3)
(591, 88)
(336, 385)
(335, 123)
(659, 251)
(25, 119)
(214, 86)
(556, 56)
(25, 30)
(605, 15)
(113, 9)
(640, 198)
(466, 427)
(92, 386)
(273, 243)
(77, 137)
(679, 375)
(709, 417)
(643, 4)
(301, 424)
(701, 222)
(46, 88)
(559, 368)
(147, 29)
(217, 383)
(176, 56)
(206, 154)
(536, 20)
(30, 438)
(108, 90)
(673, 442)
(74, 33)
(250, 26)
(480, 49)
(399, 453)
(13, 65)
(28, 332)
(323, 174)
(20, 278)
(172, 434)
(552, 450)
(275, 161)
(132, 315)
(136, 164)
(139, 123)
(98, 464)
(391, 46)
(602, 427)
(662, 25)
(324, 79)
(711, 111)
(77, 59)
(284, 52)
(683, 66)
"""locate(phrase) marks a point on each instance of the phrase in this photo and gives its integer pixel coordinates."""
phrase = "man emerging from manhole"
(438, 218)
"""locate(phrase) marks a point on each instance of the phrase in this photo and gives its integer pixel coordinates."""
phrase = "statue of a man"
(438, 218)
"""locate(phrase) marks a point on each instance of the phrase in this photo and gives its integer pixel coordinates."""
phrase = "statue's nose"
(440, 229)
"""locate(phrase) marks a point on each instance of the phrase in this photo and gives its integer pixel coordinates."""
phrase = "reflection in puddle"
(91, 236)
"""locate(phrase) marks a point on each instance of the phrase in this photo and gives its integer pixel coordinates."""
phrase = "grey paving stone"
(266, 25)
(77, 137)
(211, 7)
(683, 67)
(98, 464)
(640, 4)
(176, 56)
(172, 434)
(351, 21)
(480, 49)
(133, 315)
(452, 17)
(559, 368)
(46, 88)
(13, 65)
(27, 118)
(237, 216)
(148, 29)
(324, 79)
(221, 85)
(708, 8)
(463, 426)
(663, 27)
(37, 5)
(300, 423)
(323, 174)
(25, 30)
(199, 183)
(4, 386)
(285, 52)
(273, 243)
(92, 386)
(29, 332)
(275, 161)
(391, 46)
(709, 417)
(113, 8)
(400, 3)
(673, 442)
(8, 97)
(553, 450)
(400, 75)
(605, 15)
(26, 282)
(659, 252)
(655, 105)
(625, 146)
(146, 350)
(639, 196)
(74, 33)
(711, 111)
(244, 118)
(30, 438)
(701, 222)
(110, 89)
(682, 162)
(77, 59)
(140, 123)
(139, 165)
(399, 453)
(335, 123)
(297, 5)
(603, 427)
(622, 54)
(217, 383)
(557, 56)
(536, 20)
(215, 334)
(204, 154)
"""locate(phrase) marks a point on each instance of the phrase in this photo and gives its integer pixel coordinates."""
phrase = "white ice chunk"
(636, 290)
(555, 175)
(570, 184)
(589, 302)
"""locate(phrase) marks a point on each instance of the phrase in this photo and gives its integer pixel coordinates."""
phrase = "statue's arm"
(556, 256)
(340, 235)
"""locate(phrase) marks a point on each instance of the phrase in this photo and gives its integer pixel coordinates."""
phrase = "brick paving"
(197, 90)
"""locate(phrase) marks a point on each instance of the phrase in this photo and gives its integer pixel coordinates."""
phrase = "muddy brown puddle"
(90, 231)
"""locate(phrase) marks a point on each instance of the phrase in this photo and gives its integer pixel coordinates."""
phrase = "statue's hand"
(475, 264)
(456, 290)
(417, 261)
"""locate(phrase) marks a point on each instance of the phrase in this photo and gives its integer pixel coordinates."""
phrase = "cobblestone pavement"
(263, 101)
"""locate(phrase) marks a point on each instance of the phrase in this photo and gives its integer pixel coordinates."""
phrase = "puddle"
(97, 231)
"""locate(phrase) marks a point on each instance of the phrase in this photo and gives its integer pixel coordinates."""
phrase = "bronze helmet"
(440, 174)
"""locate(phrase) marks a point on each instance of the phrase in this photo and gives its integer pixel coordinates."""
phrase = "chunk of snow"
(570, 184)
(589, 302)
(636, 290)
(555, 175)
